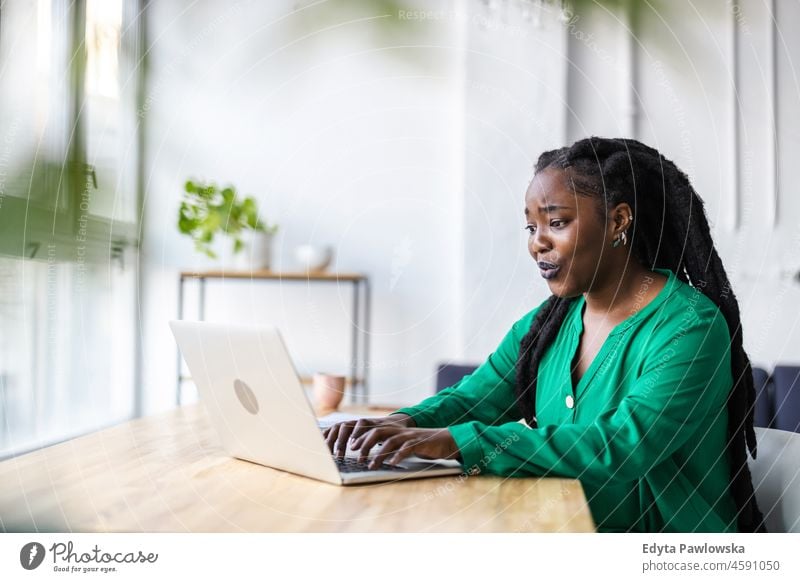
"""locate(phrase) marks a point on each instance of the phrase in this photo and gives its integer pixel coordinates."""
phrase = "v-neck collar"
(669, 287)
(577, 324)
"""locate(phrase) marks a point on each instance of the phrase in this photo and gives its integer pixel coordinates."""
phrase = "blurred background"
(393, 139)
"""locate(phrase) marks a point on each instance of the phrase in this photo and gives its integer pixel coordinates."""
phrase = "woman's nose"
(538, 243)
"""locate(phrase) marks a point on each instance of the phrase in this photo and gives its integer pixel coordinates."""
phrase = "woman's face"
(568, 239)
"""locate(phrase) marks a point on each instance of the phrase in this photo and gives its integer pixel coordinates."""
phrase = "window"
(68, 131)
(66, 351)
(69, 152)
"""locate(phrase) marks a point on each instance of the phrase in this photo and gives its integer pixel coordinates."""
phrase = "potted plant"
(207, 211)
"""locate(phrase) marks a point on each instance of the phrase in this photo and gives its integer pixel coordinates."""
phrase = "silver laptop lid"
(255, 400)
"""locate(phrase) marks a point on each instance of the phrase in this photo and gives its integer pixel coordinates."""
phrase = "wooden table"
(167, 473)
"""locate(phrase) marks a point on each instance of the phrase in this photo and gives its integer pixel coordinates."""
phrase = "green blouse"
(644, 430)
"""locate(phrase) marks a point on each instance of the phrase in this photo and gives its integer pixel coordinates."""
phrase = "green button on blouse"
(644, 430)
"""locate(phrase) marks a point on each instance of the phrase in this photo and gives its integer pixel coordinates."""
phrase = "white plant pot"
(255, 256)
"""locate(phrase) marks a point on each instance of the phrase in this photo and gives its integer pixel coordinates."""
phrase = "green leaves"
(205, 211)
(250, 214)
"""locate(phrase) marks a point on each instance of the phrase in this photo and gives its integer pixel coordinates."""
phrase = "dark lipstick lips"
(548, 270)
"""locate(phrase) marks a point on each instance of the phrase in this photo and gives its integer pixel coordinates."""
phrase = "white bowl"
(313, 258)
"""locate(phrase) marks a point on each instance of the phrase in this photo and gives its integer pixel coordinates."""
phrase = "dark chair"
(787, 398)
(449, 374)
(763, 412)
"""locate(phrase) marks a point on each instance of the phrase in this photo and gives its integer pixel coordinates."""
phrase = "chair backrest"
(787, 397)
(449, 374)
(776, 478)
(763, 412)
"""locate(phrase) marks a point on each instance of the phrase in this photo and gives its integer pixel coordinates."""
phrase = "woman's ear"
(622, 218)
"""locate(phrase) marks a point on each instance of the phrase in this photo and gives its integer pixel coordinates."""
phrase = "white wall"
(514, 94)
(696, 80)
(347, 139)
(413, 161)
(700, 77)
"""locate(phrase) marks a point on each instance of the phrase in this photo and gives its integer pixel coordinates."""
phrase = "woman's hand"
(338, 434)
(400, 442)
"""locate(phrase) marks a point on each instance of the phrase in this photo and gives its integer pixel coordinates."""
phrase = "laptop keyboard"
(353, 465)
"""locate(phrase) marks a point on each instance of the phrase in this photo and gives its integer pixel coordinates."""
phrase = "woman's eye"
(557, 223)
(531, 228)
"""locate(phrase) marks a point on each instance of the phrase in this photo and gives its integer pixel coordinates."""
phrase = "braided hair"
(669, 218)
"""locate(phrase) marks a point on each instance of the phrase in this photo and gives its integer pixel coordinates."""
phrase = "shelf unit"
(357, 381)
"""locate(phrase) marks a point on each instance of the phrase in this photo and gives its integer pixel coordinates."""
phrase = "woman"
(631, 376)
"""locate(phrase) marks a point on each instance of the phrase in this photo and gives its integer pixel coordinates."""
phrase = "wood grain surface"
(167, 473)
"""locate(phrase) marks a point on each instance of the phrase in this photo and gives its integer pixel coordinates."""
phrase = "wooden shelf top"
(277, 275)
(304, 379)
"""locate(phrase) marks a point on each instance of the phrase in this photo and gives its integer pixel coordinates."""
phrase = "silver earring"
(624, 237)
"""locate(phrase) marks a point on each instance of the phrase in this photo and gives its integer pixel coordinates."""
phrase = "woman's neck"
(622, 294)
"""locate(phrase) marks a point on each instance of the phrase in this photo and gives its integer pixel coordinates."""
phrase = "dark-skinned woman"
(630, 377)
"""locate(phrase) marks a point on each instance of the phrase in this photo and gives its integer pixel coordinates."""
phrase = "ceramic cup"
(328, 392)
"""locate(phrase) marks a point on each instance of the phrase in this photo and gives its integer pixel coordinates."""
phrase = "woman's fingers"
(361, 433)
(330, 434)
(345, 429)
(390, 446)
(362, 426)
(407, 449)
(398, 442)
(337, 434)
(395, 448)
(373, 437)
(356, 444)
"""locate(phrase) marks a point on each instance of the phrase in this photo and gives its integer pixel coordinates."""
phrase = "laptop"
(250, 388)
